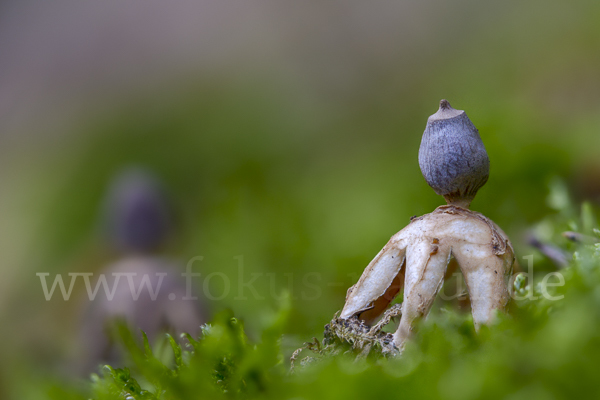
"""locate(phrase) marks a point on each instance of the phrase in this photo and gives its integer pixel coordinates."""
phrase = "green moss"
(542, 348)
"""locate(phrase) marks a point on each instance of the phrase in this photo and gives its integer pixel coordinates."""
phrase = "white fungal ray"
(416, 259)
(378, 285)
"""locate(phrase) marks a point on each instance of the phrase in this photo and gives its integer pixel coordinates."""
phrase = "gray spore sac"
(452, 157)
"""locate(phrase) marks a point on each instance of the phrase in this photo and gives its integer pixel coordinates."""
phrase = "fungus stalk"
(455, 164)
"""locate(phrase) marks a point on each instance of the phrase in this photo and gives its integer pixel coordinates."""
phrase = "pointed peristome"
(452, 156)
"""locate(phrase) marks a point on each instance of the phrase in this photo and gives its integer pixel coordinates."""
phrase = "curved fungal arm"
(379, 284)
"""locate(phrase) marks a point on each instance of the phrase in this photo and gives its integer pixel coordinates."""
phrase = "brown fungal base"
(351, 336)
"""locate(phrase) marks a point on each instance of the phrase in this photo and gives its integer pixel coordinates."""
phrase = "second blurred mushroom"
(145, 290)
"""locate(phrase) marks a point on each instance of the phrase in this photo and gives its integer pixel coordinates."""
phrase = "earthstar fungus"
(455, 164)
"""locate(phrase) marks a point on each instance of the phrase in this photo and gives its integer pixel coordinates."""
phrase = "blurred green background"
(286, 133)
